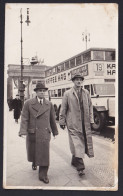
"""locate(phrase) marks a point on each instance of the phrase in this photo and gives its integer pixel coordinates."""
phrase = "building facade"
(31, 75)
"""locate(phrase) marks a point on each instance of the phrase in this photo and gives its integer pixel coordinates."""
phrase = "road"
(99, 172)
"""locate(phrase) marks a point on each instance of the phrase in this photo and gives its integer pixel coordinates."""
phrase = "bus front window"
(104, 89)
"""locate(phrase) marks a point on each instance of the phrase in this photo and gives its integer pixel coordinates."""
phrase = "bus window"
(104, 89)
(54, 70)
(63, 90)
(56, 93)
(92, 90)
(72, 63)
(66, 65)
(61, 76)
(52, 93)
(55, 79)
(64, 76)
(67, 89)
(50, 72)
(86, 57)
(62, 67)
(58, 68)
(98, 55)
(109, 55)
(78, 60)
(59, 92)
(87, 87)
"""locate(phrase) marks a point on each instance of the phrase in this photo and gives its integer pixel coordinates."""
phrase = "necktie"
(40, 101)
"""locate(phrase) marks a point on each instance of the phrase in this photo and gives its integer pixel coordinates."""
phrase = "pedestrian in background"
(37, 123)
(10, 100)
(77, 114)
(17, 106)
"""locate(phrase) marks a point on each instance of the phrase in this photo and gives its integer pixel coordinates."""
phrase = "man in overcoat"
(37, 123)
(17, 106)
(77, 114)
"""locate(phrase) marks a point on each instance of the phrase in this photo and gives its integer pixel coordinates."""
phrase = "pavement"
(100, 172)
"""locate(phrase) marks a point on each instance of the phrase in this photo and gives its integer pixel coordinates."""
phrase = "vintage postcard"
(61, 96)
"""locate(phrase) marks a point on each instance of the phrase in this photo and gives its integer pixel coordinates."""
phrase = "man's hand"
(62, 127)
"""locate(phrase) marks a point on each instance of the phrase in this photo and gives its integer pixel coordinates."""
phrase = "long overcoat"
(37, 122)
(17, 106)
(70, 115)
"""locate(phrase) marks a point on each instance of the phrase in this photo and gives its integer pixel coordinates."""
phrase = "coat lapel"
(40, 109)
(74, 92)
(43, 108)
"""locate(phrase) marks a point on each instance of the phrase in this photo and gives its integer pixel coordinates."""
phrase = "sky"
(55, 31)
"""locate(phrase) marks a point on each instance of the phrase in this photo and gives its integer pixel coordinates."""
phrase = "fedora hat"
(77, 76)
(40, 86)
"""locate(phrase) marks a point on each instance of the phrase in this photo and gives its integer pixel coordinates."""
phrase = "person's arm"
(63, 111)
(24, 120)
(90, 109)
(52, 121)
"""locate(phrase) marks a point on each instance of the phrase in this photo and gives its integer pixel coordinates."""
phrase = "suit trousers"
(78, 163)
(43, 172)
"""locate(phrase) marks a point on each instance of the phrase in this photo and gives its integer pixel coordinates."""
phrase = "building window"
(109, 55)
(78, 60)
(66, 65)
(72, 63)
(86, 57)
(98, 55)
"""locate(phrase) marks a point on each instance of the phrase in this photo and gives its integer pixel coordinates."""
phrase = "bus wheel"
(99, 121)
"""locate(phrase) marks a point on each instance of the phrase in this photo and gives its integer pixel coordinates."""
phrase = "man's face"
(40, 93)
(77, 82)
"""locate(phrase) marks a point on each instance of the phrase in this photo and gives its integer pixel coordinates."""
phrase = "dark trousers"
(43, 171)
(78, 163)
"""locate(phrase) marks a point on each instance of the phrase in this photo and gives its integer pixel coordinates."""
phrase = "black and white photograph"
(61, 96)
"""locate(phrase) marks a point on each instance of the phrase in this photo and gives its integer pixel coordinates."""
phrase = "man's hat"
(77, 76)
(40, 86)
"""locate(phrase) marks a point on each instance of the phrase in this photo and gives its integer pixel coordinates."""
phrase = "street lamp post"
(86, 37)
(22, 88)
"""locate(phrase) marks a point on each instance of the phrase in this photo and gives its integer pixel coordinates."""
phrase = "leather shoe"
(45, 180)
(34, 167)
(81, 173)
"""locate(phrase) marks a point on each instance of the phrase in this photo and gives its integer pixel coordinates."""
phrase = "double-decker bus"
(98, 66)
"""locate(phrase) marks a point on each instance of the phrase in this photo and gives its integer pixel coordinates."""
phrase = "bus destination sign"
(82, 70)
(108, 68)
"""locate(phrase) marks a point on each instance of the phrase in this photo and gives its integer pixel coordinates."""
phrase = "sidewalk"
(19, 174)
